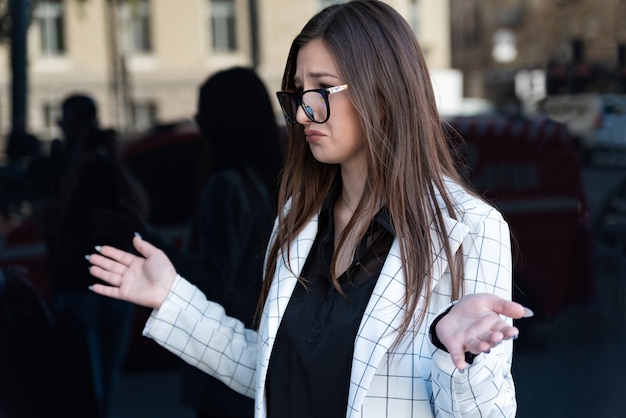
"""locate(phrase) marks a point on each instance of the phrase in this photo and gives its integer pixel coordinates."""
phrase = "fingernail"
(514, 337)
(91, 288)
(461, 371)
(528, 313)
(98, 248)
(87, 257)
(138, 235)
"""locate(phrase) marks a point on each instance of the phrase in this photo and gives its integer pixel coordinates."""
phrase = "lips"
(313, 135)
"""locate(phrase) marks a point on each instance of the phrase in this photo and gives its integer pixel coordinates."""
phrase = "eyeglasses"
(314, 102)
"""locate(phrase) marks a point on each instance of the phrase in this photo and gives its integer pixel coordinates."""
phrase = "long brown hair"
(408, 156)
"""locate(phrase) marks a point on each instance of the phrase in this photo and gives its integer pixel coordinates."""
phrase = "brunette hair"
(408, 155)
(236, 119)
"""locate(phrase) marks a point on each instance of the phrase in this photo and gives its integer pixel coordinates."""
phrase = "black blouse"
(311, 362)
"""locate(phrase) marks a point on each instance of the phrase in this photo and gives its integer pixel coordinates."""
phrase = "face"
(340, 139)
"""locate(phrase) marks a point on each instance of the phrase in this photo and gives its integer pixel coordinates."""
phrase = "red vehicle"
(530, 170)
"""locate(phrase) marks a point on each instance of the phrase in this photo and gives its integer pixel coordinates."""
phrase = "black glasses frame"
(286, 98)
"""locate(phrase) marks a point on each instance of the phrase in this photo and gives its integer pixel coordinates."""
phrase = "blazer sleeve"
(200, 333)
(485, 388)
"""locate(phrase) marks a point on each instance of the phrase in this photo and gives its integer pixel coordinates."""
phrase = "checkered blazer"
(416, 380)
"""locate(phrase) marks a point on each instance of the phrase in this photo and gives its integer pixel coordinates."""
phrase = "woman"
(379, 263)
(234, 215)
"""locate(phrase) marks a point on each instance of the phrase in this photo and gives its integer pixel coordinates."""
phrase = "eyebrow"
(320, 74)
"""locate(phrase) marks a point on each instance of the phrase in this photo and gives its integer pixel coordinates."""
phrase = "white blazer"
(417, 380)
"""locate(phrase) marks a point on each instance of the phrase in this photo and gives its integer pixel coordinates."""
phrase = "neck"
(353, 184)
(344, 201)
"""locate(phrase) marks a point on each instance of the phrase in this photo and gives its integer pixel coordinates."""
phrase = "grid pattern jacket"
(415, 380)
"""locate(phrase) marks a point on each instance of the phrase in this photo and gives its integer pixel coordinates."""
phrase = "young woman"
(388, 284)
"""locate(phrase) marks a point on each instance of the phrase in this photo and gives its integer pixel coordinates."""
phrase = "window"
(223, 25)
(144, 115)
(51, 114)
(326, 3)
(49, 17)
(134, 18)
(414, 17)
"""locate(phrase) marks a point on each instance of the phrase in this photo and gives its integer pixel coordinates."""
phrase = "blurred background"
(533, 93)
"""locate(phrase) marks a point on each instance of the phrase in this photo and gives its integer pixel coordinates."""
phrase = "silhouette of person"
(234, 214)
(87, 182)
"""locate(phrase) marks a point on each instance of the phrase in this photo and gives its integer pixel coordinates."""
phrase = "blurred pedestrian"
(235, 211)
(85, 180)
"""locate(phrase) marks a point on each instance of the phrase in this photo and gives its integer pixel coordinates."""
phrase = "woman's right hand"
(145, 281)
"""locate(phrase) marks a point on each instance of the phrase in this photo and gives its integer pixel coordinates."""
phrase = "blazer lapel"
(277, 300)
(382, 316)
(385, 311)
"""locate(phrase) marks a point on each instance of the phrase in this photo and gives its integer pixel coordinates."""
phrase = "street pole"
(115, 80)
(254, 32)
(16, 146)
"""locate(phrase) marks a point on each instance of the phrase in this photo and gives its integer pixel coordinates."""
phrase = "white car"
(597, 121)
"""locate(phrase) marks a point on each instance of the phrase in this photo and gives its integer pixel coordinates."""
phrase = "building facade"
(578, 44)
(143, 60)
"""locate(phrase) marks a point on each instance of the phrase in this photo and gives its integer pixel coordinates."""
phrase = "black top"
(89, 199)
(224, 258)
(311, 362)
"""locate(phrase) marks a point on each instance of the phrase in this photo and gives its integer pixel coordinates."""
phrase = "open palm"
(476, 324)
(145, 281)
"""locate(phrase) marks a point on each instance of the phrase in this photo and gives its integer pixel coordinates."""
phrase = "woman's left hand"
(475, 324)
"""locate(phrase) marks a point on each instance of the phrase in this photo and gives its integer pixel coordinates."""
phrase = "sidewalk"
(572, 366)
(150, 394)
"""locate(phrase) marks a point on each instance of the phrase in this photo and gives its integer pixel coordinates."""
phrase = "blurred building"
(578, 45)
(144, 59)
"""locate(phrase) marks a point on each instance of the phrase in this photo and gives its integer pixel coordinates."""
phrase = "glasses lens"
(314, 105)
(289, 104)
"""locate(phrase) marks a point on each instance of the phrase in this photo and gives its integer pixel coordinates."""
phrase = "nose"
(301, 116)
